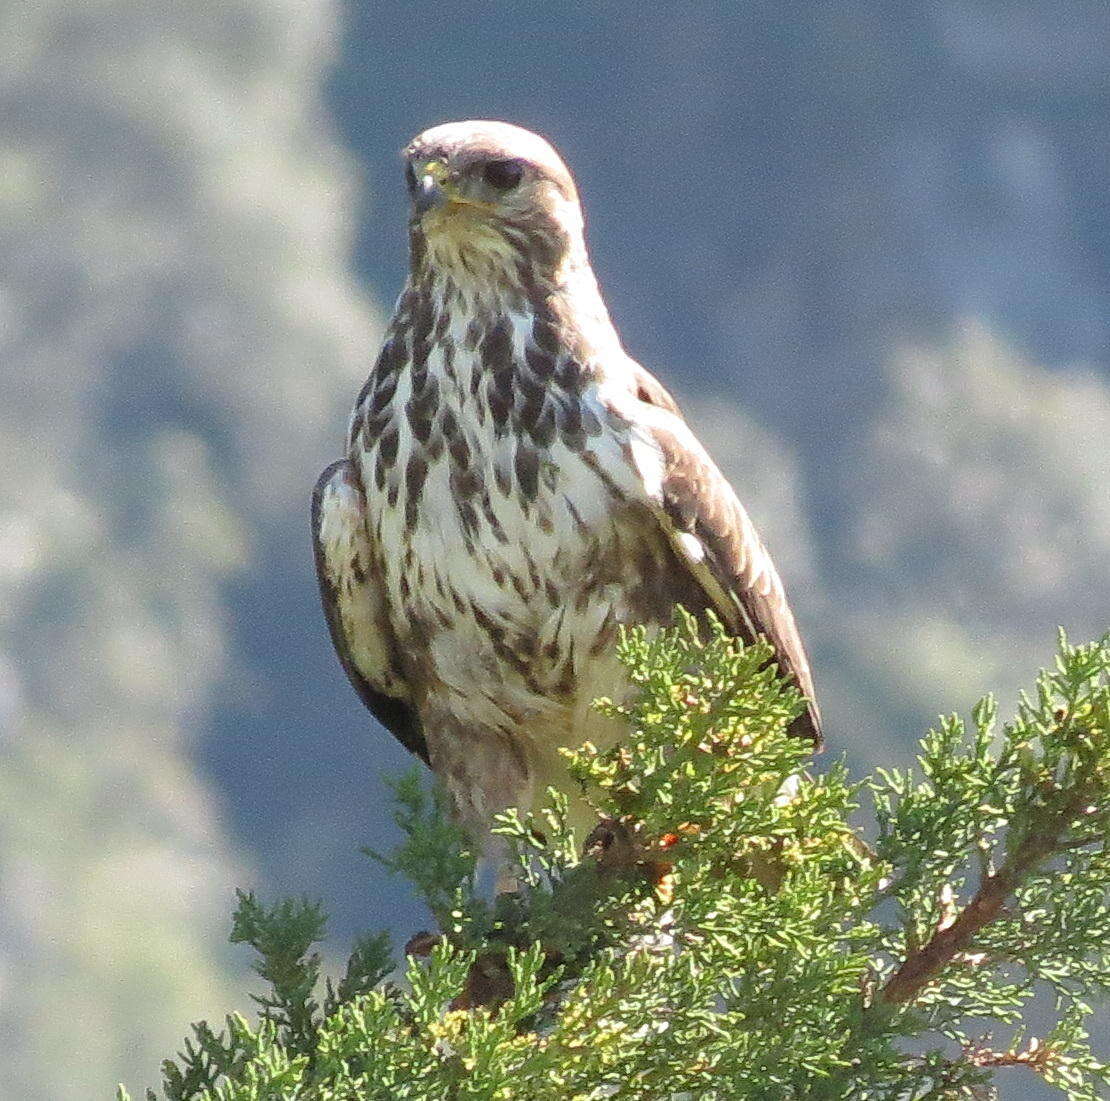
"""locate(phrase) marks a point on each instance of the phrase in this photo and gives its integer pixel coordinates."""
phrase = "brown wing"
(353, 607)
(712, 533)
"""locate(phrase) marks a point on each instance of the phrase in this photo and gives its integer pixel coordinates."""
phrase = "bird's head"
(491, 203)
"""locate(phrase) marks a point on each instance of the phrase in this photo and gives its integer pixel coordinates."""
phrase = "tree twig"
(1035, 1056)
(924, 964)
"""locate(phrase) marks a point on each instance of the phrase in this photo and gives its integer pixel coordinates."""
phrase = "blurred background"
(867, 244)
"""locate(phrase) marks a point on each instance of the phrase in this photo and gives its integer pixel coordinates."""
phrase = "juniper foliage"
(724, 933)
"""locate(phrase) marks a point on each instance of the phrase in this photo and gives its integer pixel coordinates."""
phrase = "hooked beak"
(431, 187)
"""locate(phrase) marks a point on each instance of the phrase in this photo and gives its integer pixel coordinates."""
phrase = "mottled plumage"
(516, 487)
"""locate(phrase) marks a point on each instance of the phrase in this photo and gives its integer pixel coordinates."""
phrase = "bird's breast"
(507, 540)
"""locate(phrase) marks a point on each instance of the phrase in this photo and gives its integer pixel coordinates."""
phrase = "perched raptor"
(516, 488)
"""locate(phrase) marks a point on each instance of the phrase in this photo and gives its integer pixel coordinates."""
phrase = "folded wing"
(347, 570)
(708, 527)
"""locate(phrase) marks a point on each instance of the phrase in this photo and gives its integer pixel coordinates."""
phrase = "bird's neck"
(560, 303)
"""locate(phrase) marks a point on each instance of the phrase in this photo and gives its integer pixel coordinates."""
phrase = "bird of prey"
(516, 488)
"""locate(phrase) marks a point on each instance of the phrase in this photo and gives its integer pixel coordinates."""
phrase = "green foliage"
(724, 933)
(436, 856)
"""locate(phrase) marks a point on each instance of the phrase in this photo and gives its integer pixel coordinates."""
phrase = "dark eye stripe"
(410, 178)
(503, 175)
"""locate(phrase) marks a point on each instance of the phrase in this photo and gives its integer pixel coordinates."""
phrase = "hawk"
(516, 488)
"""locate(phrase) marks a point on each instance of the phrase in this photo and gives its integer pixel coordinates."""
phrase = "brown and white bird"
(516, 488)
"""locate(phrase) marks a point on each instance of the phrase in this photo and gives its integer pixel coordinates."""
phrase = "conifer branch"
(661, 962)
(954, 937)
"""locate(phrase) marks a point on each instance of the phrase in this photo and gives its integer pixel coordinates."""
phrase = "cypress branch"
(714, 937)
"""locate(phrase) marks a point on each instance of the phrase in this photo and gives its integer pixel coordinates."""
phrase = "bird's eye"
(410, 178)
(503, 175)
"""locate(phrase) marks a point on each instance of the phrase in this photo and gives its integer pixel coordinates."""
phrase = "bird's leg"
(485, 772)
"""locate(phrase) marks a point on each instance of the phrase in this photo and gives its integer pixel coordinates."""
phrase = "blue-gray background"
(867, 244)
